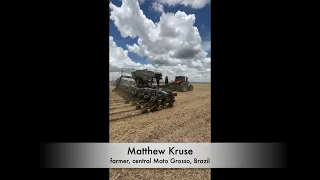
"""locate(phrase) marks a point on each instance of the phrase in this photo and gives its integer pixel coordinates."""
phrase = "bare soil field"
(188, 121)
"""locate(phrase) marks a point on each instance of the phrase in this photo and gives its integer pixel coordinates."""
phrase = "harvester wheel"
(183, 87)
(190, 88)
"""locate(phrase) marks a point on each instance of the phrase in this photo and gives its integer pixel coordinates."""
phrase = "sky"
(169, 36)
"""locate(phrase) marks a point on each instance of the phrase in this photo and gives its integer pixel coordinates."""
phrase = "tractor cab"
(180, 79)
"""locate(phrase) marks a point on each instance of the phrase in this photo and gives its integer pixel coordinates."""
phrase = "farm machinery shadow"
(120, 112)
(125, 117)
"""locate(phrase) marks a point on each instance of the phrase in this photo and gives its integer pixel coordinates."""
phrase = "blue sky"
(202, 23)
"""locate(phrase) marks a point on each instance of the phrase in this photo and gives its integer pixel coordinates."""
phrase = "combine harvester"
(138, 90)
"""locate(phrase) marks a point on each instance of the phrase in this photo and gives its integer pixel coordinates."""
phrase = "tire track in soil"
(188, 121)
(181, 132)
(154, 128)
(119, 106)
(122, 111)
(117, 101)
(124, 107)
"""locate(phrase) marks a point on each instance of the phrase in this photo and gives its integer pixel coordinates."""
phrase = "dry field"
(187, 121)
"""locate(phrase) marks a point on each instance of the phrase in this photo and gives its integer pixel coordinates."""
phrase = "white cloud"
(119, 59)
(157, 7)
(196, 4)
(206, 46)
(173, 44)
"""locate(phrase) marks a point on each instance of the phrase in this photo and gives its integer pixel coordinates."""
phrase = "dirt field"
(187, 121)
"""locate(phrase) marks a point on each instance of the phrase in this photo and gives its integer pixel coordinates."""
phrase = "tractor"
(181, 84)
